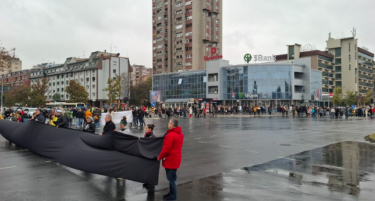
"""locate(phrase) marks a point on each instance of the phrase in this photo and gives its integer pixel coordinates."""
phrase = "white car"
(31, 111)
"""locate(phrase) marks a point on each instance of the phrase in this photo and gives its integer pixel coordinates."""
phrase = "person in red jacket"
(171, 156)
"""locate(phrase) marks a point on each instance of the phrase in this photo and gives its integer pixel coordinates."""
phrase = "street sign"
(353, 106)
(153, 104)
(330, 94)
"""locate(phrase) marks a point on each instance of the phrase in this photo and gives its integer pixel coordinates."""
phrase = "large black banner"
(116, 155)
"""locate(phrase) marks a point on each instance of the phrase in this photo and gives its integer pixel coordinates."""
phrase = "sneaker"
(165, 196)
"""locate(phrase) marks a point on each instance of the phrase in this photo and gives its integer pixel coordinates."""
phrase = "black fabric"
(116, 155)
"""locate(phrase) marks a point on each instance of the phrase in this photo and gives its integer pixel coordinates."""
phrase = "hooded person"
(171, 155)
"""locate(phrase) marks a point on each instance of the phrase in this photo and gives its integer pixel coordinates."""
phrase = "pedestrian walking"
(170, 155)
(79, 119)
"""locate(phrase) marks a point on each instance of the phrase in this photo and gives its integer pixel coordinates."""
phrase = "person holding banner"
(109, 125)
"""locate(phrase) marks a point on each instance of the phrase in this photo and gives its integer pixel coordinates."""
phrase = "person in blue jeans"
(171, 156)
(79, 118)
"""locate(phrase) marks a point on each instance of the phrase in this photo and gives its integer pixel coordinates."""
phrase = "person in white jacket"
(190, 112)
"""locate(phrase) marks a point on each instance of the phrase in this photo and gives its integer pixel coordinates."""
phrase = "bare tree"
(125, 85)
(6, 57)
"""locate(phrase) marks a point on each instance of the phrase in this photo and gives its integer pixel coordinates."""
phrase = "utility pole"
(2, 93)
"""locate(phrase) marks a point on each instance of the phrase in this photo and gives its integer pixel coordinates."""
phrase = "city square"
(189, 100)
(220, 161)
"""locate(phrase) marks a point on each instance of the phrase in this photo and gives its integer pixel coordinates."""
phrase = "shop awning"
(182, 100)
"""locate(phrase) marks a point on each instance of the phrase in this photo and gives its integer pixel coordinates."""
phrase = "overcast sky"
(51, 31)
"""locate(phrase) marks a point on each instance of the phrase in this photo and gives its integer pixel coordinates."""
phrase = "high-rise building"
(354, 66)
(14, 66)
(139, 74)
(186, 33)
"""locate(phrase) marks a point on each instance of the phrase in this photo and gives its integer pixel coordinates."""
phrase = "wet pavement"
(215, 150)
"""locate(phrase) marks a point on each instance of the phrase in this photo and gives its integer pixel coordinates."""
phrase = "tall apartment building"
(343, 64)
(354, 66)
(15, 65)
(185, 34)
(139, 74)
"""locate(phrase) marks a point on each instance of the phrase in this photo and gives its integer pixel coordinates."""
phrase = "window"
(179, 26)
(179, 56)
(93, 79)
(179, 12)
(178, 64)
(189, 17)
(93, 86)
(93, 94)
(189, 34)
(114, 71)
(87, 79)
(87, 86)
(81, 79)
(179, 4)
(179, 34)
(188, 3)
(62, 89)
(189, 56)
(178, 49)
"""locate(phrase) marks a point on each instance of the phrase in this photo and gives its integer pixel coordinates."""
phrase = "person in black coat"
(90, 126)
(109, 125)
(62, 121)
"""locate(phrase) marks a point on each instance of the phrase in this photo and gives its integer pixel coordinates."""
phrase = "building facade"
(15, 66)
(92, 73)
(140, 73)
(320, 60)
(277, 83)
(344, 64)
(18, 78)
(185, 34)
(354, 65)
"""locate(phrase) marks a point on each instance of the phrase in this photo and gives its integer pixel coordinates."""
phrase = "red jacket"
(172, 146)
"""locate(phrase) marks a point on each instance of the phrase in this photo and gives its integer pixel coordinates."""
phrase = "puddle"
(342, 171)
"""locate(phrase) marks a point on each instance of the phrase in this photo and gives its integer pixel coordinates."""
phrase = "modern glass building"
(277, 83)
(181, 86)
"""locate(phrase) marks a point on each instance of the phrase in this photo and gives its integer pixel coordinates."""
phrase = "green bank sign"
(247, 57)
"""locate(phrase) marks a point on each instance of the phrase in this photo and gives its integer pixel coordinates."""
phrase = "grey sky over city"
(50, 31)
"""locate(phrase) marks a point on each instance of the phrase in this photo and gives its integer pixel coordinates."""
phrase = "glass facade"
(325, 58)
(316, 83)
(257, 82)
(365, 56)
(180, 85)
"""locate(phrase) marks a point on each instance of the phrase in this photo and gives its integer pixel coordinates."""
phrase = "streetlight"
(2, 93)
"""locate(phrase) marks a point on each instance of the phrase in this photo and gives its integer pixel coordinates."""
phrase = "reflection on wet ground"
(341, 171)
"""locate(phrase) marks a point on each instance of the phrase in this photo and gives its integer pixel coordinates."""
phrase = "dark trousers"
(172, 178)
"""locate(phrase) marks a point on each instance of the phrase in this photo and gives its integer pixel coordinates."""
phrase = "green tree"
(17, 95)
(113, 89)
(77, 93)
(38, 91)
(369, 95)
(337, 96)
(140, 95)
(350, 98)
(56, 97)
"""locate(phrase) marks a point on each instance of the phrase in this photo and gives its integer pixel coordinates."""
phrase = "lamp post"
(2, 93)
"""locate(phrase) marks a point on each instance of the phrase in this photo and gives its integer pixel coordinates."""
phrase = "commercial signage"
(155, 96)
(330, 94)
(213, 51)
(250, 96)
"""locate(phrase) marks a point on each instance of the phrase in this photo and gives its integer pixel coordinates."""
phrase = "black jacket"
(80, 114)
(62, 122)
(90, 128)
(150, 134)
(41, 118)
(109, 127)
